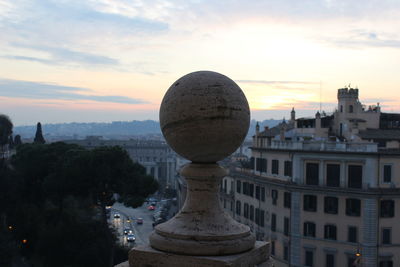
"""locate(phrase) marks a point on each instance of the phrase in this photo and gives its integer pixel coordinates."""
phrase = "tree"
(39, 139)
(5, 131)
(17, 140)
(55, 196)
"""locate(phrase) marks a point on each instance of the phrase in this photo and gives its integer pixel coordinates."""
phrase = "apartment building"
(325, 191)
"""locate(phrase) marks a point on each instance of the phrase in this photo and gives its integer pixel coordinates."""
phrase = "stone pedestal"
(146, 256)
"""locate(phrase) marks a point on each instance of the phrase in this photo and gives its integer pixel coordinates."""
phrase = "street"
(141, 231)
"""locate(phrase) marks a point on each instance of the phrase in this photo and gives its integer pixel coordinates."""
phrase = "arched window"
(351, 109)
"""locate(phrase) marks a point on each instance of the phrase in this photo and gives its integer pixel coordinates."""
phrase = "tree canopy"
(54, 198)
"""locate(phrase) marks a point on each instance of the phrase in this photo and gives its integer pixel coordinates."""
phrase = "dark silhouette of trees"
(17, 140)
(6, 127)
(54, 197)
(39, 139)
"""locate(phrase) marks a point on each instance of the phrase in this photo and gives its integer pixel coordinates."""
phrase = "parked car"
(151, 207)
(139, 221)
(117, 215)
(130, 238)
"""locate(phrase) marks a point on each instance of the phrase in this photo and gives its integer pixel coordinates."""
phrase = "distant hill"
(78, 130)
(113, 130)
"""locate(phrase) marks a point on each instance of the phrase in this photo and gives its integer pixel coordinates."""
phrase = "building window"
(272, 247)
(331, 205)
(251, 190)
(353, 207)
(273, 222)
(352, 234)
(310, 203)
(262, 218)
(238, 207)
(330, 232)
(251, 212)
(246, 210)
(238, 186)
(309, 258)
(341, 108)
(287, 199)
(386, 263)
(257, 192)
(286, 252)
(274, 196)
(275, 166)
(286, 228)
(330, 260)
(312, 173)
(386, 236)
(258, 164)
(387, 173)
(263, 165)
(354, 176)
(232, 206)
(252, 163)
(333, 175)
(387, 208)
(351, 109)
(245, 188)
(257, 219)
(262, 193)
(288, 168)
(309, 229)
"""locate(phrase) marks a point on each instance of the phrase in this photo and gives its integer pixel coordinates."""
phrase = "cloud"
(62, 55)
(37, 90)
(76, 32)
(362, 38)
(276, 82)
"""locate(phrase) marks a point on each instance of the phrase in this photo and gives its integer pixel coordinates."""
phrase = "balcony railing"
(323, 146)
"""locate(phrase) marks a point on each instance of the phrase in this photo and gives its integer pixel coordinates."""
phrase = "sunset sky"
(113, 60)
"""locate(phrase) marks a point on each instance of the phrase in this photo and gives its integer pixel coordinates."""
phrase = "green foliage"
(5, 129)
(55, 195)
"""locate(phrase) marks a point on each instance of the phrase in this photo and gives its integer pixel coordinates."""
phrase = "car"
(127, 231)
(130, 238)
(153, 204)
(139, 221)
(128, 219)
(151, 207)
(117, 215)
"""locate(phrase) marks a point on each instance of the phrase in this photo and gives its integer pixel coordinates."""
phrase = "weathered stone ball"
(204, 116)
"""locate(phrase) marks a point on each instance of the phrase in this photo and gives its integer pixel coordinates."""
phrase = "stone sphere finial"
(204, 116)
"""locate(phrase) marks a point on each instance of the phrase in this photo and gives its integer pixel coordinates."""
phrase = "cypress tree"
(17, 140)
(39, 139)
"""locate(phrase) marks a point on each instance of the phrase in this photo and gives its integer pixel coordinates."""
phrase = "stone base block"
(146, 256)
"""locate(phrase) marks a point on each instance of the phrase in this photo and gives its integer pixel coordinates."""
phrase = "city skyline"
(101, 61)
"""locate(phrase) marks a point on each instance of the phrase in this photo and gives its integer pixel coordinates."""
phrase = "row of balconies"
(322, 146)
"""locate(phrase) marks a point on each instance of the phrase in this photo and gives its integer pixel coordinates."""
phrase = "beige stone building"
(157, 157)
(325, 190)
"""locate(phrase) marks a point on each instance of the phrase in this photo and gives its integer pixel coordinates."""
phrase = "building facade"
(156, 156)
(325, 191)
